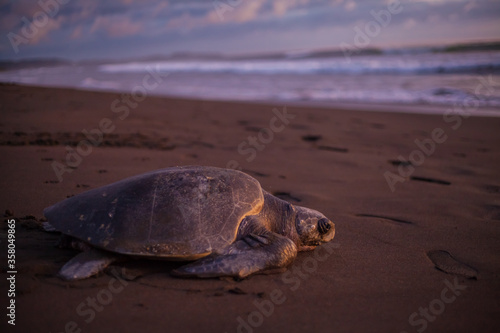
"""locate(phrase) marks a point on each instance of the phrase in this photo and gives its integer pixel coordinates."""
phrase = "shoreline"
(405, 108)
(389, 261)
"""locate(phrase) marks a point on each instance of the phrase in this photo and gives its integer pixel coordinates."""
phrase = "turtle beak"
(326, 229)
(331, 232)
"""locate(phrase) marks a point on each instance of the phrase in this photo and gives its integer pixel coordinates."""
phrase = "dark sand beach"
(417, 253)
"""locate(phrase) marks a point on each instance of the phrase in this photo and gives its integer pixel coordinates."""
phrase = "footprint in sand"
(334, 149)
(445, 262)
(491, 188)
(387, 218)
(398, 163)
(430, 180)
(312, 138)
(492, 212)
(286, 196)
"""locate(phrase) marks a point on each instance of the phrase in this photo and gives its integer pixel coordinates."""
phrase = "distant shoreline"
(398, 81)
(492, 45)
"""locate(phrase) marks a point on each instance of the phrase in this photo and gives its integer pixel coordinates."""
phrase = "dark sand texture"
(377, 277)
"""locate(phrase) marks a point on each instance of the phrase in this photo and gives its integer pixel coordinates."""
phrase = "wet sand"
(417, 236)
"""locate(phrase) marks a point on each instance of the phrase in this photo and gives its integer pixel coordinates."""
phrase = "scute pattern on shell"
(182, 212)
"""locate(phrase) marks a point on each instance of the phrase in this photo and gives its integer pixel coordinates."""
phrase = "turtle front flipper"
(87, 263)
(252, 253)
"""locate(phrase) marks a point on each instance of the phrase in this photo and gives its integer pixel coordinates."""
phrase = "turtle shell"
(178, 213)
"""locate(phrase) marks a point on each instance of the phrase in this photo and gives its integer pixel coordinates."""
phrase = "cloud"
(95, 26)
(31, 23)
(434, 18)
(116, 26)
(410, 23)
(470, 6)
(9, 22)
(350, 5)
(241, 12)
(185, 22)
(45, 30)
(248, 11)
(23, 8)
(77, 33)
(437, 1)
(280, 7)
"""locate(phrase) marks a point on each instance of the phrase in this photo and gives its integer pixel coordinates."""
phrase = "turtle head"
(313, 228)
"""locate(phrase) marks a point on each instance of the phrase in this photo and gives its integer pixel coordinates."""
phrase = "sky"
(120, 29)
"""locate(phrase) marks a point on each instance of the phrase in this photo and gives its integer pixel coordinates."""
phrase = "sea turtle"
(222, 218)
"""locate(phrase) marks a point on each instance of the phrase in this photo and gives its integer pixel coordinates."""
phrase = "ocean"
(414, 76)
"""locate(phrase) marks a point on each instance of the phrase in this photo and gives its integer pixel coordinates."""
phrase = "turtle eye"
(324, 226)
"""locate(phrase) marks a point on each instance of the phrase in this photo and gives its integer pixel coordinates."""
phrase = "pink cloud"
(77, 33)
(116, 26)
(240, 13)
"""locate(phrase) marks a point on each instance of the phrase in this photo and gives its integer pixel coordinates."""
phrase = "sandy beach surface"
(415, 199)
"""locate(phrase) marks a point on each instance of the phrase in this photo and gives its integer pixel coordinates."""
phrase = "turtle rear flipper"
(87, 264)
(252, 253)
